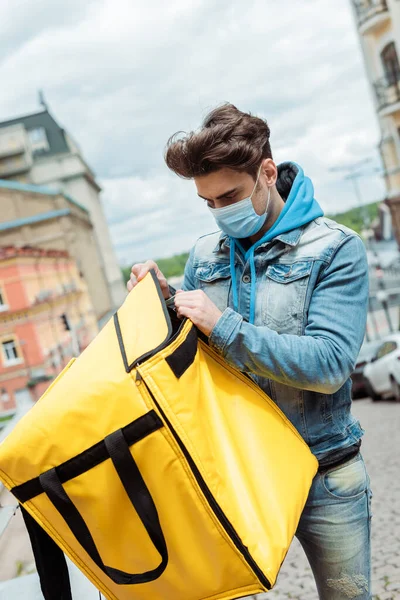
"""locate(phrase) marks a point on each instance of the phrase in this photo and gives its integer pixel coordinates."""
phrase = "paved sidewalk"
(381, 450)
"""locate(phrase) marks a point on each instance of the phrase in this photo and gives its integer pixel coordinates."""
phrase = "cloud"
(25, 20)
(155, 217)
(123, 75)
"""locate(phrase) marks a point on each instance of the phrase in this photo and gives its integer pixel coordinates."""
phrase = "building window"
(38, 140)
(4, 397)
(10, 352)
(3, 303)
(390, 63)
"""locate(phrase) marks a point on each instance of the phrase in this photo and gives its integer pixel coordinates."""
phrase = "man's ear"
(270, 171)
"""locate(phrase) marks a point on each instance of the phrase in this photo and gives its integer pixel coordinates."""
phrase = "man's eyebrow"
(228, 193)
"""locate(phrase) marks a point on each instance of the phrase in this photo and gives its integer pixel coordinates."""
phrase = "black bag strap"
(183, 356)
(50, 561)
(139, 496)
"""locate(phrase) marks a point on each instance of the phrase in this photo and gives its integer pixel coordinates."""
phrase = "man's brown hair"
(227, 138)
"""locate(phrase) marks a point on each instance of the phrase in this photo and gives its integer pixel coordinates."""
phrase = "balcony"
(13, 165)
(371, 14)
(387, 90)
(12, 141)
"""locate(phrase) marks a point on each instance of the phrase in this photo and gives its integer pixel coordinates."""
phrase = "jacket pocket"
(284, 298)
(215, 280)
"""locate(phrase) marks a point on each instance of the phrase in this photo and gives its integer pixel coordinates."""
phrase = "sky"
(122, 76)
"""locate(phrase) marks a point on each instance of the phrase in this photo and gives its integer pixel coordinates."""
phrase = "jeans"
(334, 531)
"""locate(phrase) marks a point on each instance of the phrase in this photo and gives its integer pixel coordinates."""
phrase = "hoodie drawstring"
(233, 274)
(252, 286)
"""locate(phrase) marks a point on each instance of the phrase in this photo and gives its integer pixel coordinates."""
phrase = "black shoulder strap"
(50, 561)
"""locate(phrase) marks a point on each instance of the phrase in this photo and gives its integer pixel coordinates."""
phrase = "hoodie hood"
(300, 208)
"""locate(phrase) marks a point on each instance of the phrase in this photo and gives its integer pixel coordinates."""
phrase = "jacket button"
(246, 278)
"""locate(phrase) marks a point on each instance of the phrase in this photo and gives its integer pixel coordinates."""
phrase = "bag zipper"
(222, 518)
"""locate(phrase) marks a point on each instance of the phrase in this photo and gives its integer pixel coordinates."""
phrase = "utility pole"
(363, 209)
(354, 172)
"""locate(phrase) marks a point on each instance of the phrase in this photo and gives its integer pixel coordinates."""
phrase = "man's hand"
(197, 307)
(139, 271)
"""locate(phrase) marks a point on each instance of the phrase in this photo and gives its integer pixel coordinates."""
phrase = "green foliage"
(40, 379)
(170, 267)
(6, 419)
(353, 218)
(126, 273)
(173, 266)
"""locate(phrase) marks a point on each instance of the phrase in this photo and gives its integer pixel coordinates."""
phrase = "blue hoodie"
(300, 208)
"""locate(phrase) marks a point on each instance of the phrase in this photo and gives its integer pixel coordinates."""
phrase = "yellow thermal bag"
(163, 473)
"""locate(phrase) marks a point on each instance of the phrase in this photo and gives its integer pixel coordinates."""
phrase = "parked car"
(367, 353)
(382, 374)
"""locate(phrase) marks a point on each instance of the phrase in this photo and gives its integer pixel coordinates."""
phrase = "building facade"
(37, 216)
(46, 317)
(378, 25)
(34, 149)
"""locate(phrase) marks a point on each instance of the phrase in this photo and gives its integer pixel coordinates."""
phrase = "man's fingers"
(136, 269)
(185, 311)
(132, 281)
(193, 298)
(186, 301)
(140, 270)
(192, 294)
(142, 273)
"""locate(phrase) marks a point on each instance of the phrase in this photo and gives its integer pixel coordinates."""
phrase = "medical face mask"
(240, 220)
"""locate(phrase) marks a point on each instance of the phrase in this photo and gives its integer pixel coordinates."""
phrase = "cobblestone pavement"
(381, 451)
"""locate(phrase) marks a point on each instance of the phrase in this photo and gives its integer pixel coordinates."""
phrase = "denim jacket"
(310, 317)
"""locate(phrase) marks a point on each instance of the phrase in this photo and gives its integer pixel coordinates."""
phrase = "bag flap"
(142, 324)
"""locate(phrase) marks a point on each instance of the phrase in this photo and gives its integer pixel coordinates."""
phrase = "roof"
(55, 133)
(39, 189)
(7, 252)
(59, 140)
(46, 216)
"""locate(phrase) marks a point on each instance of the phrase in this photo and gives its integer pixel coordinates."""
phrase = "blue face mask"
(240, 220)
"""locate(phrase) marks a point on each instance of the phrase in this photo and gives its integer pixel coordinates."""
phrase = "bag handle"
(139, 496)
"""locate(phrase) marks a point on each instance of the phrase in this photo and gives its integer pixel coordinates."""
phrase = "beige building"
(378, 23)
(34, 149)
(32, 216)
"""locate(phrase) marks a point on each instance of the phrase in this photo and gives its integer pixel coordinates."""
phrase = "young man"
(281, 292)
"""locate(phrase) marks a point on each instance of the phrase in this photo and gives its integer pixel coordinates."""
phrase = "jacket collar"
(290, 238)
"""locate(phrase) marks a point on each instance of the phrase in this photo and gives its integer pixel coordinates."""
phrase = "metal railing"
(366, 9)
(387, 90)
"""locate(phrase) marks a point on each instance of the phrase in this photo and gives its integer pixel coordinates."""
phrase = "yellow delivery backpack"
(163, 473)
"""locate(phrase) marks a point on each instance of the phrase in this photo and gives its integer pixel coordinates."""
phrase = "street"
(381, 451)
